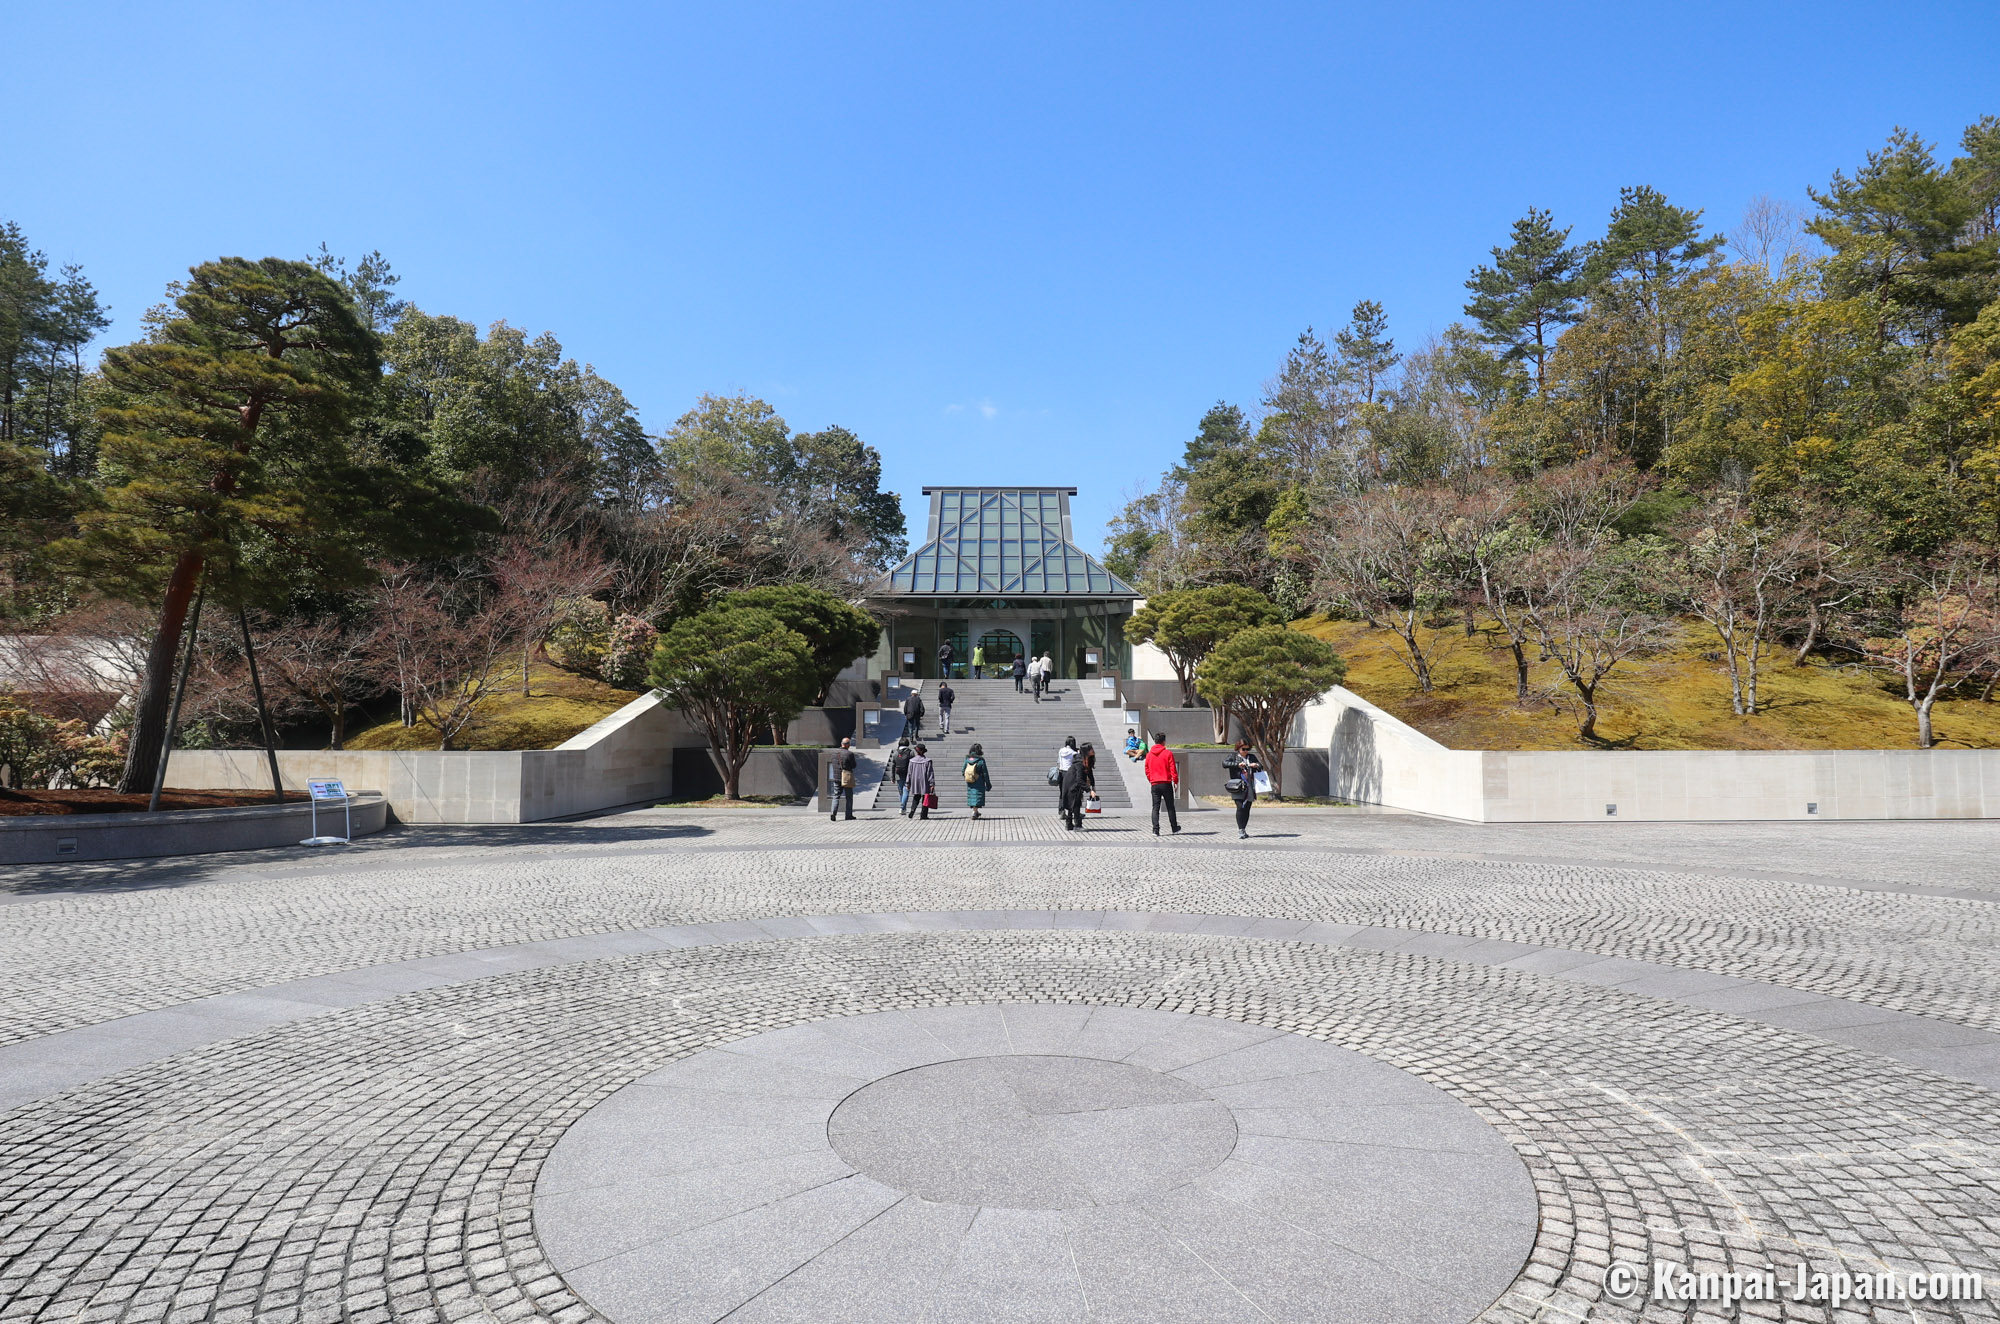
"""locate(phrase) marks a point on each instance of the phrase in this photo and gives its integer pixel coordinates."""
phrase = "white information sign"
(328, 788)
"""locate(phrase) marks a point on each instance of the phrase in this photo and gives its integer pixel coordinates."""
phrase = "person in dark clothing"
(1164, 776)
(945, 655)
(843, 787)
(1064, 758)
(899, 766)
(1242, 768)
(923, 784)
(1020, 672)
(1078, 783)
(946, 697)
(913, 715)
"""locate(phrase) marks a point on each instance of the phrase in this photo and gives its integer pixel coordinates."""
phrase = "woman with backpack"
(977, 780)
(1242, 768)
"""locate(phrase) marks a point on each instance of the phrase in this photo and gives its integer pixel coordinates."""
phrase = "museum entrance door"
(1001, 648)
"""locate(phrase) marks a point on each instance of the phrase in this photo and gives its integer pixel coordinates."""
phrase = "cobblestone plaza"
(669, 1065)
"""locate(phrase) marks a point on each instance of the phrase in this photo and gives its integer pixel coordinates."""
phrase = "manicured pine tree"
(1533, 290)
(226, 436)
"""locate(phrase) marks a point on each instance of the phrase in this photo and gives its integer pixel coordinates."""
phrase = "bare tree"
(324, 663)
(1738, 573)
(445, 638)
(1384, 553)
(1771, 233)
(1942, 626)
(1838, 571)
(538, 578)
(1593, 610)
(1494, 553)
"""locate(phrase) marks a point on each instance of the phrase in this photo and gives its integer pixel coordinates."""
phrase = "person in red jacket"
(1165, 776)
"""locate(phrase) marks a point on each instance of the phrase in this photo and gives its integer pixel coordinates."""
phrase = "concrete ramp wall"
(626, 757)
(1373, 758)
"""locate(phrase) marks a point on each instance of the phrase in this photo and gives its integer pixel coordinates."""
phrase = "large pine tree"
(229, 431)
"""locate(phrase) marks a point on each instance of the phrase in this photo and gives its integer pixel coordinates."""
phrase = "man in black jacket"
(843, 783)
(913, 715)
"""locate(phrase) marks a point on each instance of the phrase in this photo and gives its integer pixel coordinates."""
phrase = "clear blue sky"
(1004, 243)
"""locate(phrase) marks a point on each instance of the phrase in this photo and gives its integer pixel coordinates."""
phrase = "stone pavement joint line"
(380, 1161)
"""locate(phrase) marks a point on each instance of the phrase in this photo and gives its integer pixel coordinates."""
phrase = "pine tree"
(1534, 288)
(1366, 351)
(227, 443)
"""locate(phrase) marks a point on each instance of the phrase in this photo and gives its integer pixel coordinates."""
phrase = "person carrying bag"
(977, 780)
(1242, 769)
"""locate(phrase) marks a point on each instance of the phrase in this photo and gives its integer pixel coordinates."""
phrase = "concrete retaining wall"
(1375, 759)
(624, 758)
(61, 838)
(769, 772)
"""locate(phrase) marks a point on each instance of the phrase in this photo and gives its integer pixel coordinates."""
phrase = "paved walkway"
(294, 1086)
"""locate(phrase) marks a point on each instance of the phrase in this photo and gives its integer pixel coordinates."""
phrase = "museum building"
(999, 570)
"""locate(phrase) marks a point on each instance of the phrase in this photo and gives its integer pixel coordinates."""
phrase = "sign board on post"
(329, 789)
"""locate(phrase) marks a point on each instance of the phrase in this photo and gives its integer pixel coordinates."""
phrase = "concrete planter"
(59, 838)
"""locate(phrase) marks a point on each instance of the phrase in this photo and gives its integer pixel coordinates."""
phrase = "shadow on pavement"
(378, 850)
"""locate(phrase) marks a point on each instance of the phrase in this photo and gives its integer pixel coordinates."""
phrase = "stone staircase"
(1020, 738)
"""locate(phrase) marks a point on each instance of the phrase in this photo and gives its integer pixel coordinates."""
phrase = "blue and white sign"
(319, 789)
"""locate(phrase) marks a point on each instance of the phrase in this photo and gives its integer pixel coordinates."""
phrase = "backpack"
(972, 774)
(903, 762)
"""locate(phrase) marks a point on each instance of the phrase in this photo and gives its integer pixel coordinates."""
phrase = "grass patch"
(558, 705)
(1677, 699)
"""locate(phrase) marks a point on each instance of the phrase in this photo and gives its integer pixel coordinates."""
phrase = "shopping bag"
(1093, 805)
(1263, 783)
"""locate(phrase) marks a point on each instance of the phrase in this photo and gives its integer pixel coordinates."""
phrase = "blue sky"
(1024, 243)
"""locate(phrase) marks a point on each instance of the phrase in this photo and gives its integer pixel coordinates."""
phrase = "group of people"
(916, 777)
(1029, 673)
(1074, 775)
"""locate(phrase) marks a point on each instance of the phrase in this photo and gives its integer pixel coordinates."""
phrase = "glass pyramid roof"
(1001, 540)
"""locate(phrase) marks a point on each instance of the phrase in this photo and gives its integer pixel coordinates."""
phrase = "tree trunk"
(263, 712)
(1588, 694)
(1520, 671)
(1925, 737)
(149, 716)
(1812, 636)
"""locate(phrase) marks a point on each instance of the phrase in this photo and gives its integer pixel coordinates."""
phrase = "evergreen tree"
(45, 324)
(1366, 352)
(1899, 232)
(1308, 408)
(1532, 291)
(227, 447)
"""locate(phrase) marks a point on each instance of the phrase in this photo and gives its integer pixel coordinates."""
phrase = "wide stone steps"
(1020, 738)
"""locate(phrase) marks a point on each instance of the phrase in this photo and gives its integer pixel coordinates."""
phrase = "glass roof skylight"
(1001, 540)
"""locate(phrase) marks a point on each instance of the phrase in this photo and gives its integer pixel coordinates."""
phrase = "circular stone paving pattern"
(1032, 1132)
(1032, 1162)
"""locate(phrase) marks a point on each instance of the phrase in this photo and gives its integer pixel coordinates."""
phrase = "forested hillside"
(388, 509)
(1784, 434)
